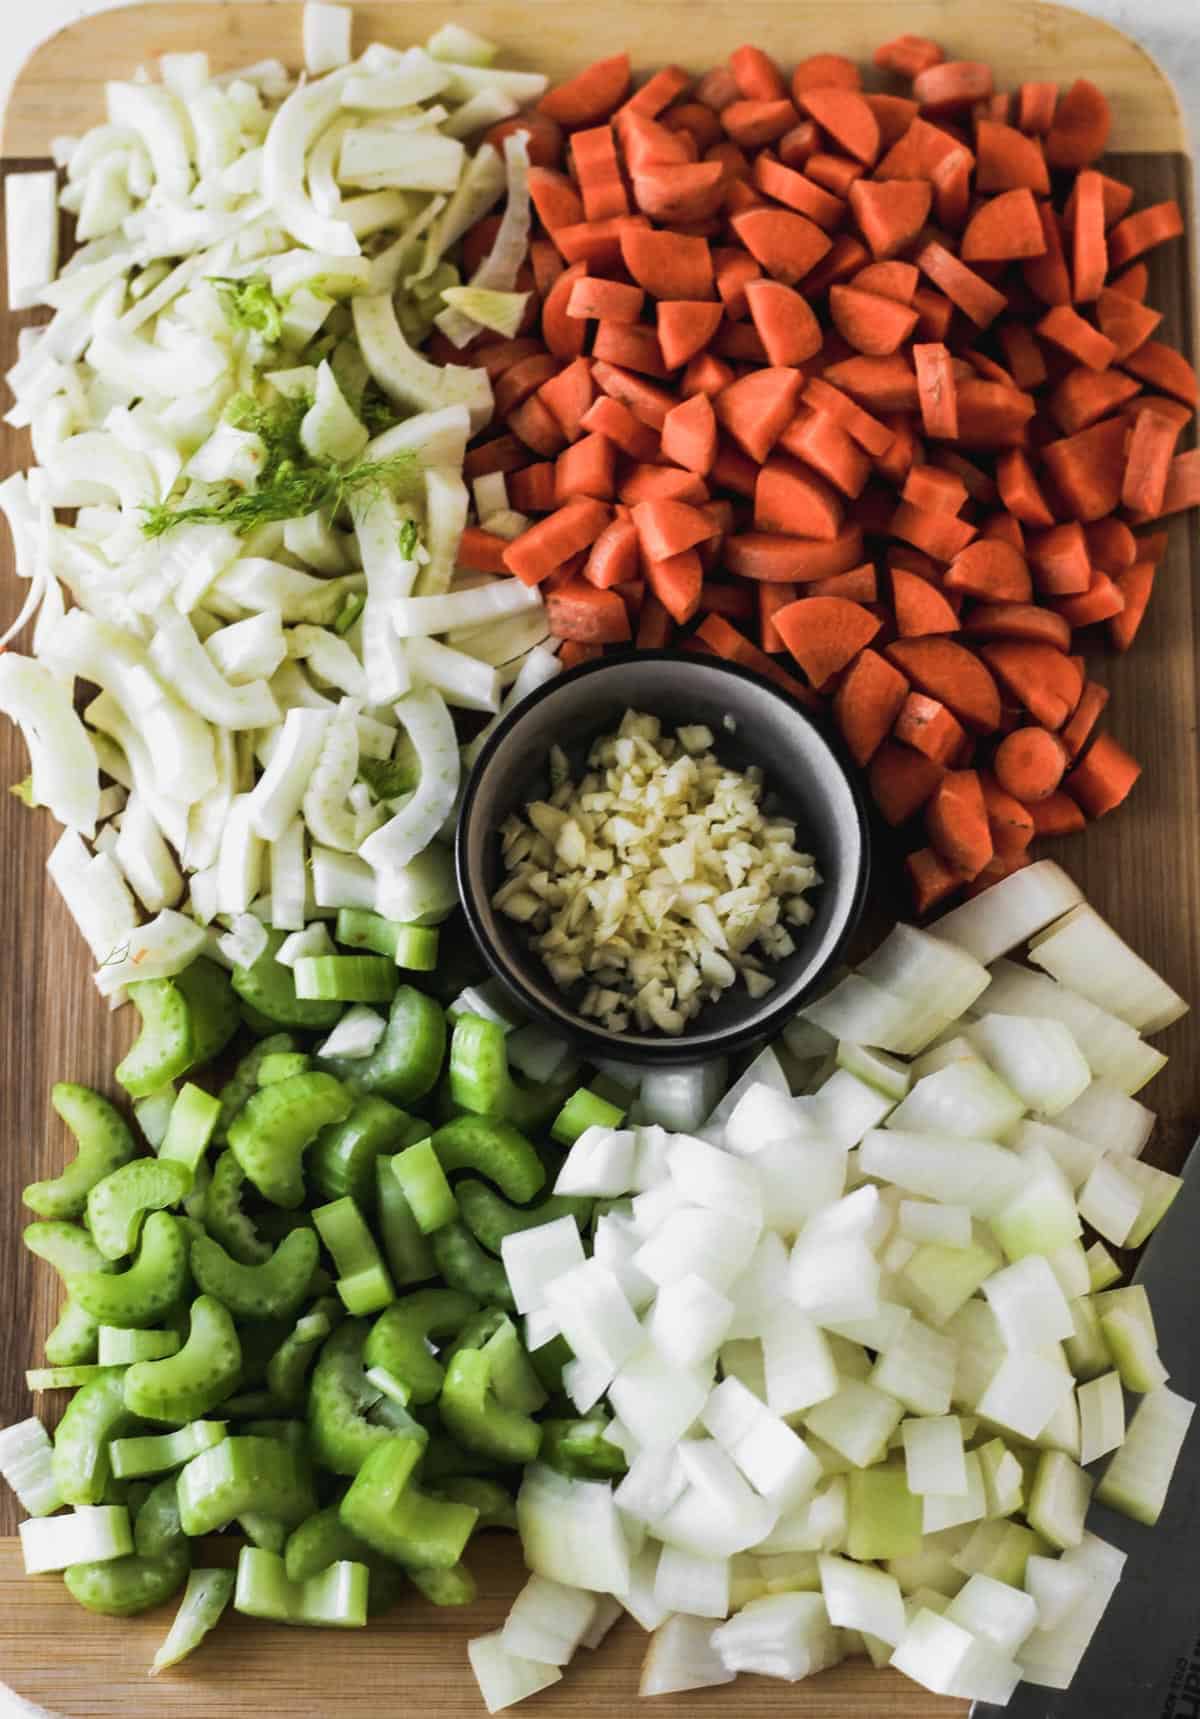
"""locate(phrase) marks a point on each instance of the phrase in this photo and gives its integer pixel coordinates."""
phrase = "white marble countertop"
(1170, 29)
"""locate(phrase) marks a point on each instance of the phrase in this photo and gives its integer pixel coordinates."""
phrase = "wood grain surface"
(1140, 867)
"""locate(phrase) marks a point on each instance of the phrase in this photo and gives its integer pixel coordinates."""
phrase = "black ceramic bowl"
(751, 724)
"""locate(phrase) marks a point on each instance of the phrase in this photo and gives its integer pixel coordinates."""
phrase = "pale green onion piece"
(27, 1464)
(1101, 1417)
(90, 1534)
(345, 978)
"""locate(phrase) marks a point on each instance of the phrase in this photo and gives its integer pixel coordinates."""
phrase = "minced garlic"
(657, 879)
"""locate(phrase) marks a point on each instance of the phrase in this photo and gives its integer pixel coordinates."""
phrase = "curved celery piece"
(342, 1158)
(245, 1474)
(263, 1531)
(73, 1339)
(187, 1385)
(473, 1414)
(479, 1078)
(155, 1453)
(287, 1370)
(409, 1255)
(513, 1376)
(425, 1186)
(584, 1109)
(320, 1540)
(490, 1217)
(270, 1134)
(495, 1505)
(117, 1205)
(194, 1116)
(207, 1594)
(399, 1338)
(477, 1331)
(96, 1414)
(407, 1061)
(103, 1143)
(385, 1509)
(212, 1007)
(120, 1347)
(335, 1599)
(453, 1587)
(494, 1150)
(579, 1449)
(244, 1079)
(147, 1576)
(272, 1290)
(224, 1218)
(548, 1363)
(163, 1048)
(67, 1247)
(258, 1024)
(464, 1265)
(446, 1461)
(363, 1282)
(270, 991)
(62, 1378)
(281, 1065)
(145, 1294)
(340, 1434)
(157, 1523)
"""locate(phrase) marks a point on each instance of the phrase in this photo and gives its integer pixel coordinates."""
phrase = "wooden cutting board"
(1141, 867)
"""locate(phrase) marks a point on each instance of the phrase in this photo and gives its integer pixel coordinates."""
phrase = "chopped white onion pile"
(656, 880)
(258, 260)
(853, 1350)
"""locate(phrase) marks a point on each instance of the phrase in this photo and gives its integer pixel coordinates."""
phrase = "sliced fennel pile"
(849, 1347)
(244, 523)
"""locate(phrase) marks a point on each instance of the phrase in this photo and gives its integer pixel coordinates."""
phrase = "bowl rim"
(595, 1043)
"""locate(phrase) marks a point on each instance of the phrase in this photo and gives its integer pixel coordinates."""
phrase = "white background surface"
(1170, 29)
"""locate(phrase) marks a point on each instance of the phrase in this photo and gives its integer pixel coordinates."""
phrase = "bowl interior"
(751, 724)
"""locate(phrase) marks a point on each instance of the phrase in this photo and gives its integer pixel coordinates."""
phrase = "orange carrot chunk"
(1088, 712)
(991, 570)
(1141, 232)
(870, 324)
(819, 440)
(756, 75)
(1089, 245)
(1165, 369)
(890, 215)
(1148, 462)
(1102, 777)
(788, 246)
(1004, 229)
(941, 535)
(825, 633)
(858, 585)
(928, 727)
(568, 397)
(1102, 601)
(937, 391)
(756, 409)
(919, 607)
(932, 880)
(1067, 329)
(1089, 468)
(1061, 562)
(481, 551)
(1081, 125)
(688, 191)
(590, 96)
(564, 334)
(845, 115)
(685, 327)
(796, 192)
(668, 265)
(689, 434)
(750, 124)
(676, 581)
(587, 467)
(1046, 682)
(556, 200)
(612, 301)
(582, 611)
(786, 323)
(930, 487)
(667, 528)
(543, 137)
(871, 435)
(1018, 621)
(908, 55)
(866, 704)
(1019, 489)
(1007, 160)
(617, 422)
(825, 71)
(790, 498)
(614, 557)
(647, 402)
(955, 676)
(1029, 763)
(1135, 584)
(1009, 821)
(974, 296)
(545, 546)
(901, 781)
(953, 86)
(765, 556)
(725, 641)
(598, 173)
(957, 821)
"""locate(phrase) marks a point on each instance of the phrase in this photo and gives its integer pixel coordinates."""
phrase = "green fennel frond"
(291, 484)
(249, 303)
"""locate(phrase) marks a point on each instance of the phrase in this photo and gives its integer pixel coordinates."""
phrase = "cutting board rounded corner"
(60, 87)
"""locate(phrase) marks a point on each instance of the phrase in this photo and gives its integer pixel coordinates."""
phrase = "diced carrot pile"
(866, 382)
